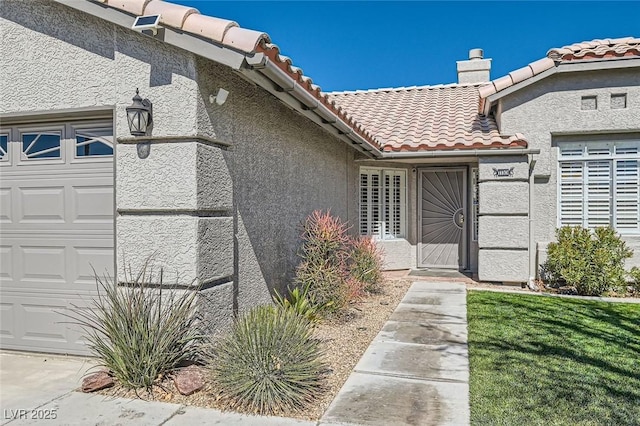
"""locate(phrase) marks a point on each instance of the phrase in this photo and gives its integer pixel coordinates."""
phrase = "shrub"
(592, 262)
(269, 362)
(138, 332)
(366, 263)
(299, 302)
(324, 256)
(634, 273)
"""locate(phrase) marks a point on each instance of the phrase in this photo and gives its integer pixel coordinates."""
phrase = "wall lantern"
(139, 115)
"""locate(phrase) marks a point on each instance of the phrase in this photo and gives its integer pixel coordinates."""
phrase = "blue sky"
(366, 45)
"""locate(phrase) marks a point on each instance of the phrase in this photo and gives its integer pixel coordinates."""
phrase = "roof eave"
(597, 64)
(264, 72)
(205, 48)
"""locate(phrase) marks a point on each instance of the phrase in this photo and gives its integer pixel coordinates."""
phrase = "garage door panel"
(92, 204)
(44, 205)
(5, 205)
(6, 263)
(90, 259)
(44, 264)
(7, 324)
(38, 322)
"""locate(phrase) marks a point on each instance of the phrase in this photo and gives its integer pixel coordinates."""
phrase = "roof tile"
(135, 7)
(541, 65)
(244, 39)
(171, 14)
(521, 74)
(502, 83)
(208, 26)
(425, 118)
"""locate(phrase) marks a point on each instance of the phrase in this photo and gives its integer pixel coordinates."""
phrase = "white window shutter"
(571, 194)
(598, 191)
(627, 196)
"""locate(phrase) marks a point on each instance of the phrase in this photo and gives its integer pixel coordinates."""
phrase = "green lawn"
(553, 361)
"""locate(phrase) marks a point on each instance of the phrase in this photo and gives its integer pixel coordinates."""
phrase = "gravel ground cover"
(344, 340)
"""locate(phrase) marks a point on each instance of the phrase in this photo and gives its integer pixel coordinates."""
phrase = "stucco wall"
(551, 108)
(283, 167)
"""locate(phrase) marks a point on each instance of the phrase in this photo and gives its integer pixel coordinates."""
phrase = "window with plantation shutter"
(383, 202)
(599, 185)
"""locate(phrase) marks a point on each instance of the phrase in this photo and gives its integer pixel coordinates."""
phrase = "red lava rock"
(188, 380)
(97, 381)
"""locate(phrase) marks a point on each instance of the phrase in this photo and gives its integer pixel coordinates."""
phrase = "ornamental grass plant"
(138, 331)
(269, 362)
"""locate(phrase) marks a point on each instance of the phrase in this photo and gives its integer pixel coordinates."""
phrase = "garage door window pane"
(41, 145)
(91, 145)
(4, 142)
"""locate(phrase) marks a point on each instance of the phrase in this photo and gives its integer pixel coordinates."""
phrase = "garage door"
(56, 223)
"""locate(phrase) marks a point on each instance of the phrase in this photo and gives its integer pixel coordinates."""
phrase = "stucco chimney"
(476, 69)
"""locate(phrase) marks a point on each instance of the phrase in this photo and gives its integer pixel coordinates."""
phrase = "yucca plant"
(298, 301)
(269, 362)
(137, 331)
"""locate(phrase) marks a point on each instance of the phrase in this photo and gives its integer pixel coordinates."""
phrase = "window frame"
(403, 202)
(583, 156)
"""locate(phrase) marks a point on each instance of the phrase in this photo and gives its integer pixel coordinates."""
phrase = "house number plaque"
(503, 172)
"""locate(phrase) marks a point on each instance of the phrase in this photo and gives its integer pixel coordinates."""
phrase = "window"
(383, 202)
(599, 185)
(4, 147)
(94, 142)
(41, 145)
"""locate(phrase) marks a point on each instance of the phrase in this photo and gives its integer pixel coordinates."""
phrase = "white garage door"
(56, 223)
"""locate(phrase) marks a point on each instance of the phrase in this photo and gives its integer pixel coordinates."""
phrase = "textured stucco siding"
(502, 232)
(503, 265)
(56, 58)
(282, 167)
(504, 198)
(174, 176)
(551, 109)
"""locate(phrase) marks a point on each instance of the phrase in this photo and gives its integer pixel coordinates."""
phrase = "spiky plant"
(137, 331)
(366, 263)
(269, 362)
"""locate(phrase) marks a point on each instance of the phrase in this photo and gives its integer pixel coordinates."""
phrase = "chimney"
(475, 70)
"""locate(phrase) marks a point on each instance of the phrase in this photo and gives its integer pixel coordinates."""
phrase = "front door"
(442, 218)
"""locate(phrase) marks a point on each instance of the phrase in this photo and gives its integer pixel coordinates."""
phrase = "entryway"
(443, 226)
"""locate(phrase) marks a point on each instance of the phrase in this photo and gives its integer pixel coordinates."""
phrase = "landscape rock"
(188, 380)
(97, 381)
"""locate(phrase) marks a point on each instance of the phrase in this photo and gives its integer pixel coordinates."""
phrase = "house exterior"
(243, 146)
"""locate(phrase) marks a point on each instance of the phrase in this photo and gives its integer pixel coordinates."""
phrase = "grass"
(553, 361)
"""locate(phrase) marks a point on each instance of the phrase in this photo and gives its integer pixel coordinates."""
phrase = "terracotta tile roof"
(441, 117)
(616, 48)
(597, 49)
(229, 34)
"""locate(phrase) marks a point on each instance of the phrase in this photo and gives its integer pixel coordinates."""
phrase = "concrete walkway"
(415, 372)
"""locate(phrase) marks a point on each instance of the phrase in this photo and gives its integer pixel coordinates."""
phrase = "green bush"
(139, 332)
(592, 262)
(366, 263)
(634, 273)
(269, 362)
(323, 270)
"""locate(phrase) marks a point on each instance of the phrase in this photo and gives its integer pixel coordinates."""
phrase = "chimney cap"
(475, 54)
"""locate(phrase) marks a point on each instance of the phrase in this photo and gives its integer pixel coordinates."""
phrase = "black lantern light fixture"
(139, 115)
